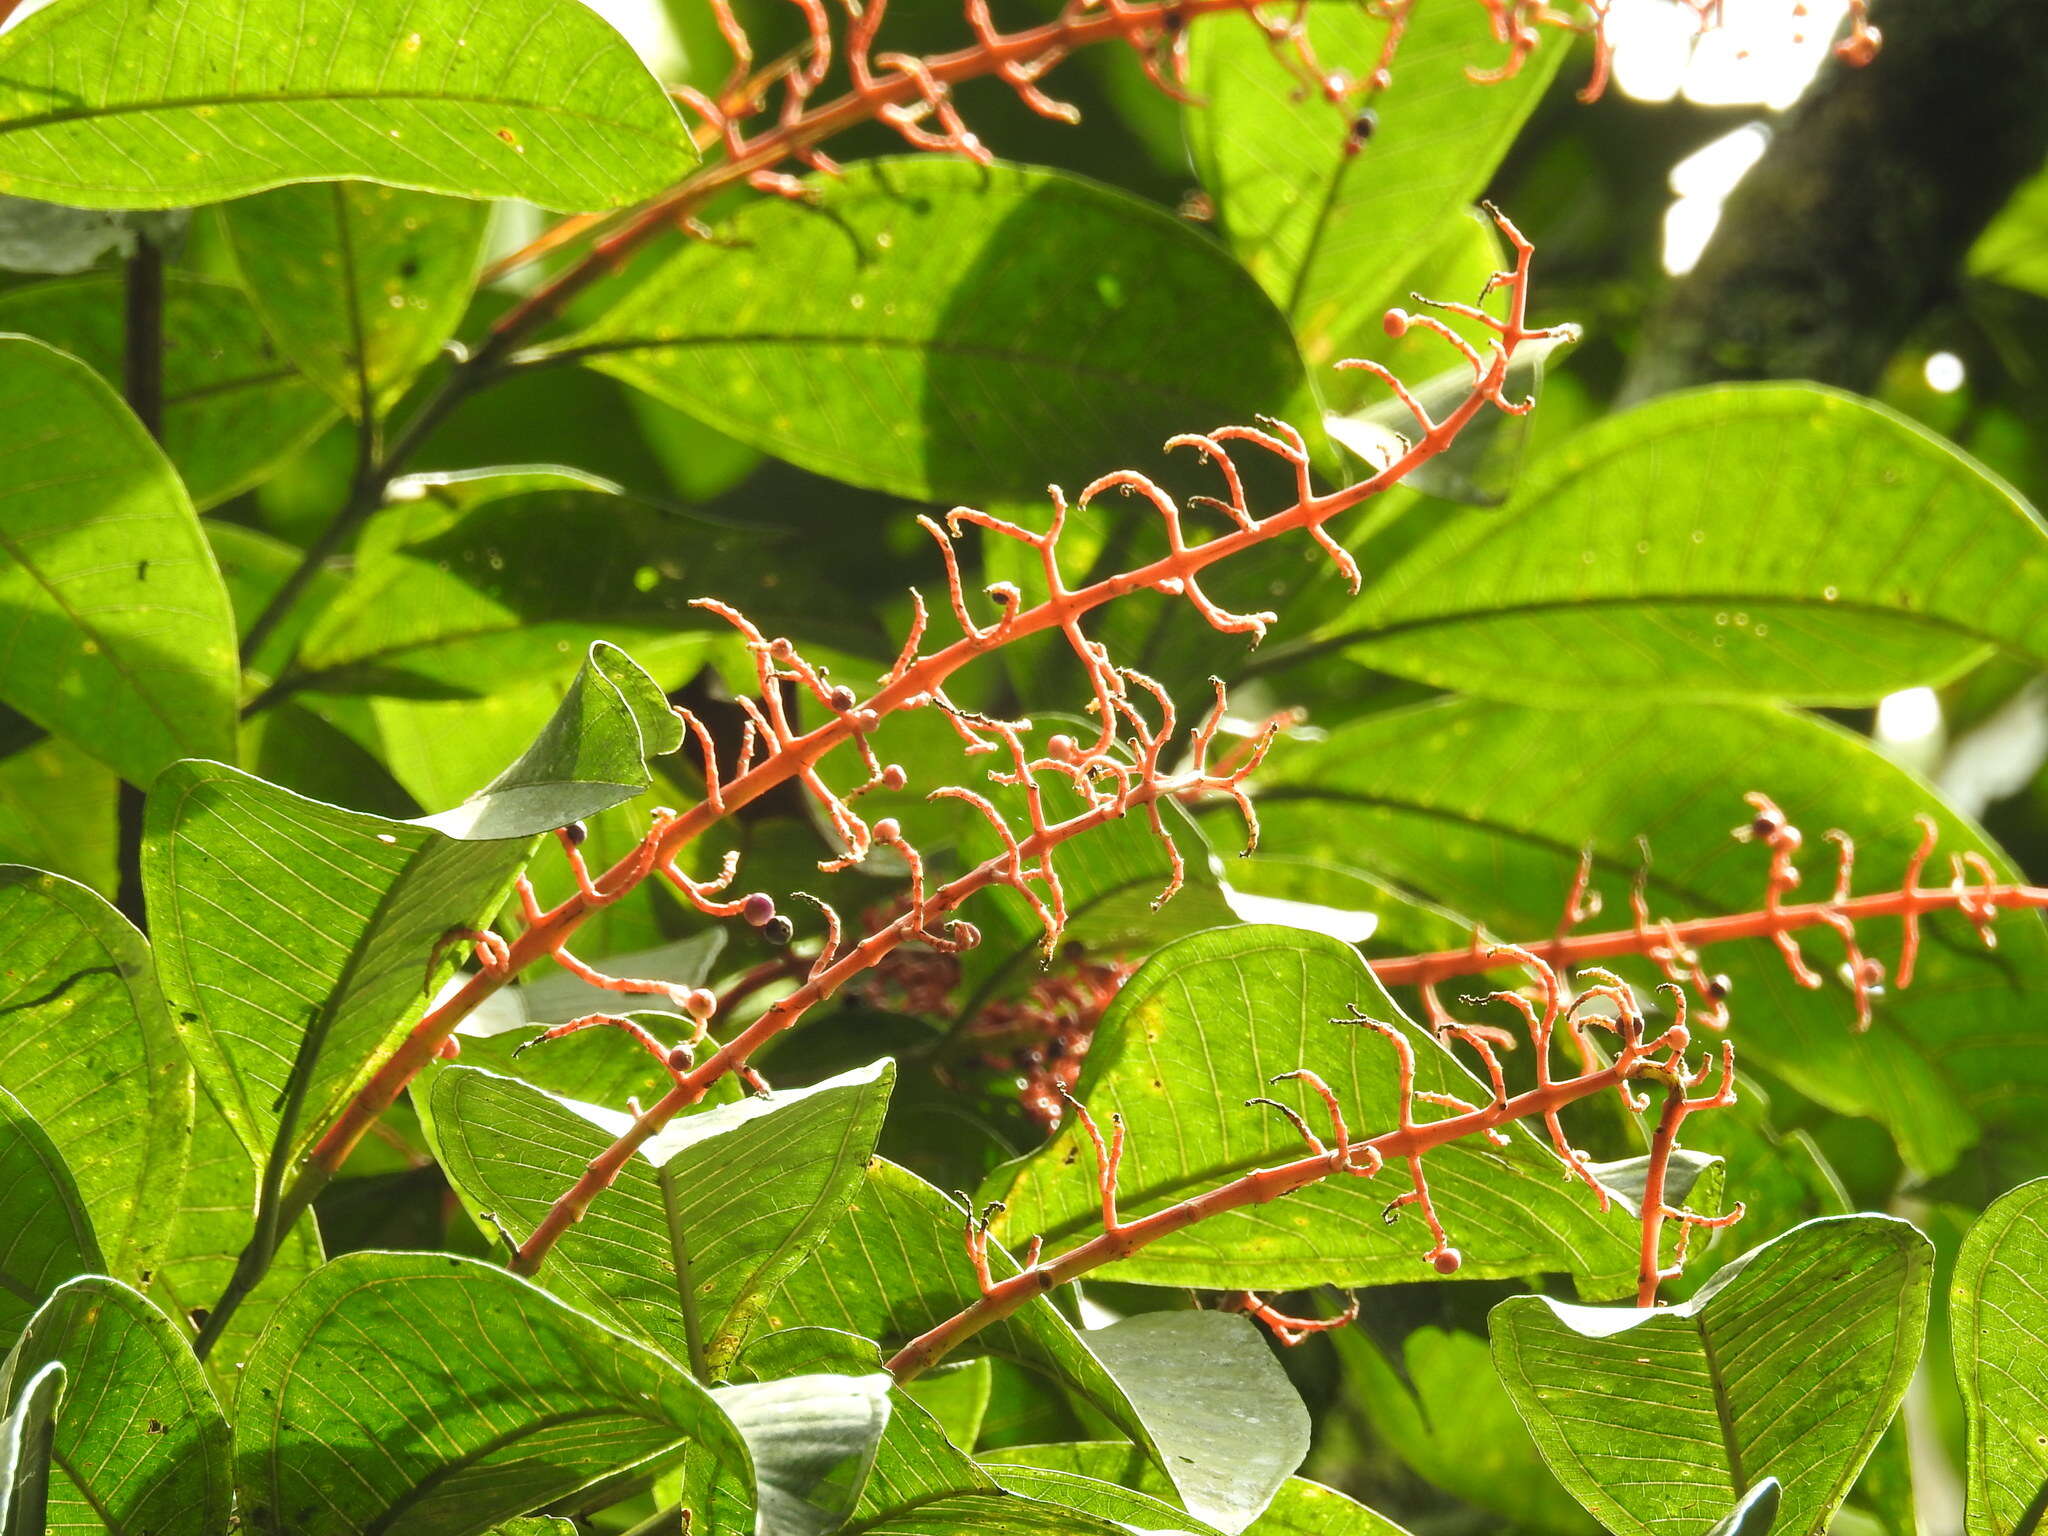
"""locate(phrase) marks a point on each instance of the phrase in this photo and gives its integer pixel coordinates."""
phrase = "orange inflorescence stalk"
(1640, 1058)
(1974, 890)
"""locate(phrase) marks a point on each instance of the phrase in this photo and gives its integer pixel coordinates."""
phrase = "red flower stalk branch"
(1640, 1058)
(917, 679)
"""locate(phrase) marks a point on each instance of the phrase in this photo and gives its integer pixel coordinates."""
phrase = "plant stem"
(142, 380)
(2030, 1517)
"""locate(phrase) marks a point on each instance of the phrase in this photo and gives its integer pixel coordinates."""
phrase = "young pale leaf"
(26, 1434)
(141, 1448)
(1484, 808)
(121, 637)
(1331, 222)
(1997, 1320)
(1787, 1364)
(813, 1440)
(1202, 1028)
(959, 332)
(1229, 1425)
(86, 1048)
(45, 1234)
(1780, 540)
(284, 925)
(687, 1245)
(484, 1398)
(358, 285)
(232, 407)
(1300, 1508)
(143, 104)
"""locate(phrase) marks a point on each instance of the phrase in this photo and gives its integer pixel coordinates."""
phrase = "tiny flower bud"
(575, 832)
(1003, 594)
(1061, 748)
(1447, 1262)
(758, 909)
(1766, 823)
(1718, 988)
(777, 931)
(841, 698)
(1396, 323)
(893, 776)
(681, 1058)
(700, 1003)
(888, 830)
(965, 934)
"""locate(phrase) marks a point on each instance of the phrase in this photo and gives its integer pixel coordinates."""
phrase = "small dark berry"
(575, 832)
(1364, 126)
(758, 909)
(777, 931)
(680, 1058)
(1718, 988)
(841, 699)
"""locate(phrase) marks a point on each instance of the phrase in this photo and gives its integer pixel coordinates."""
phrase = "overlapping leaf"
(1201, 1029)
(358, 285)
(140, 1447)
(85, 1047)
(46, 1236)
(687, 1245)
(26, 1432)
(115, 630)
(1778, 540)
(1997, 1324)
(1789, 1363)
(137, 104)
(959, 331)
(1484, 808)
(482, 1398)
(232, 407)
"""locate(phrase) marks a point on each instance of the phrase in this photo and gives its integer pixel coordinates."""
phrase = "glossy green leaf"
(443, 1429)
(141, 1447)
(686, 1246)
(959, 332)
(46, 1235)
(813, 1440)
(284, 925)
(995, 1513)
(1484, 808)
(358, 285)
(1137, 1511)
(86, 1048)
(57, 807)
(1789, 1363)
(215, 1218)
(1332, 234)
(233, 408)
(1777, 540)
(1755, 1514)
(119, 632)
(1300, 1508)
(26, 1434)
(1228, 1424)
(134, 104)
(1997, 1320)
(1201, 1029)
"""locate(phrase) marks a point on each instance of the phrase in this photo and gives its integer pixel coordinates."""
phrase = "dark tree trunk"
(1855, 222)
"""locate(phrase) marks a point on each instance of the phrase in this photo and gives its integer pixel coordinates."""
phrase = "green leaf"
(1754, 1515)
(233, 409)
(45, 1234)
(484, 1398)
(994, 1513)
(143, 104)
(1229, 1426)
(1778, 540)
(1333, 235)
(1484, 808)
(57, 810)
(1301, 1508)
(591, 755)
(86, 1048)
(25, 1441)
(120, 635)
(215, 1218)
(1139, 1511)
(358, 285)
(1199, 1030)
(959, 332)
(141, 1448)
(1997, 1320)
(687, 1245)
(813, 1440)
(284, 924)
(1789, 1363)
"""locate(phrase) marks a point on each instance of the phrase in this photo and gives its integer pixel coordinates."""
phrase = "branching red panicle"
(1974, 890)
(1639, 1057)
